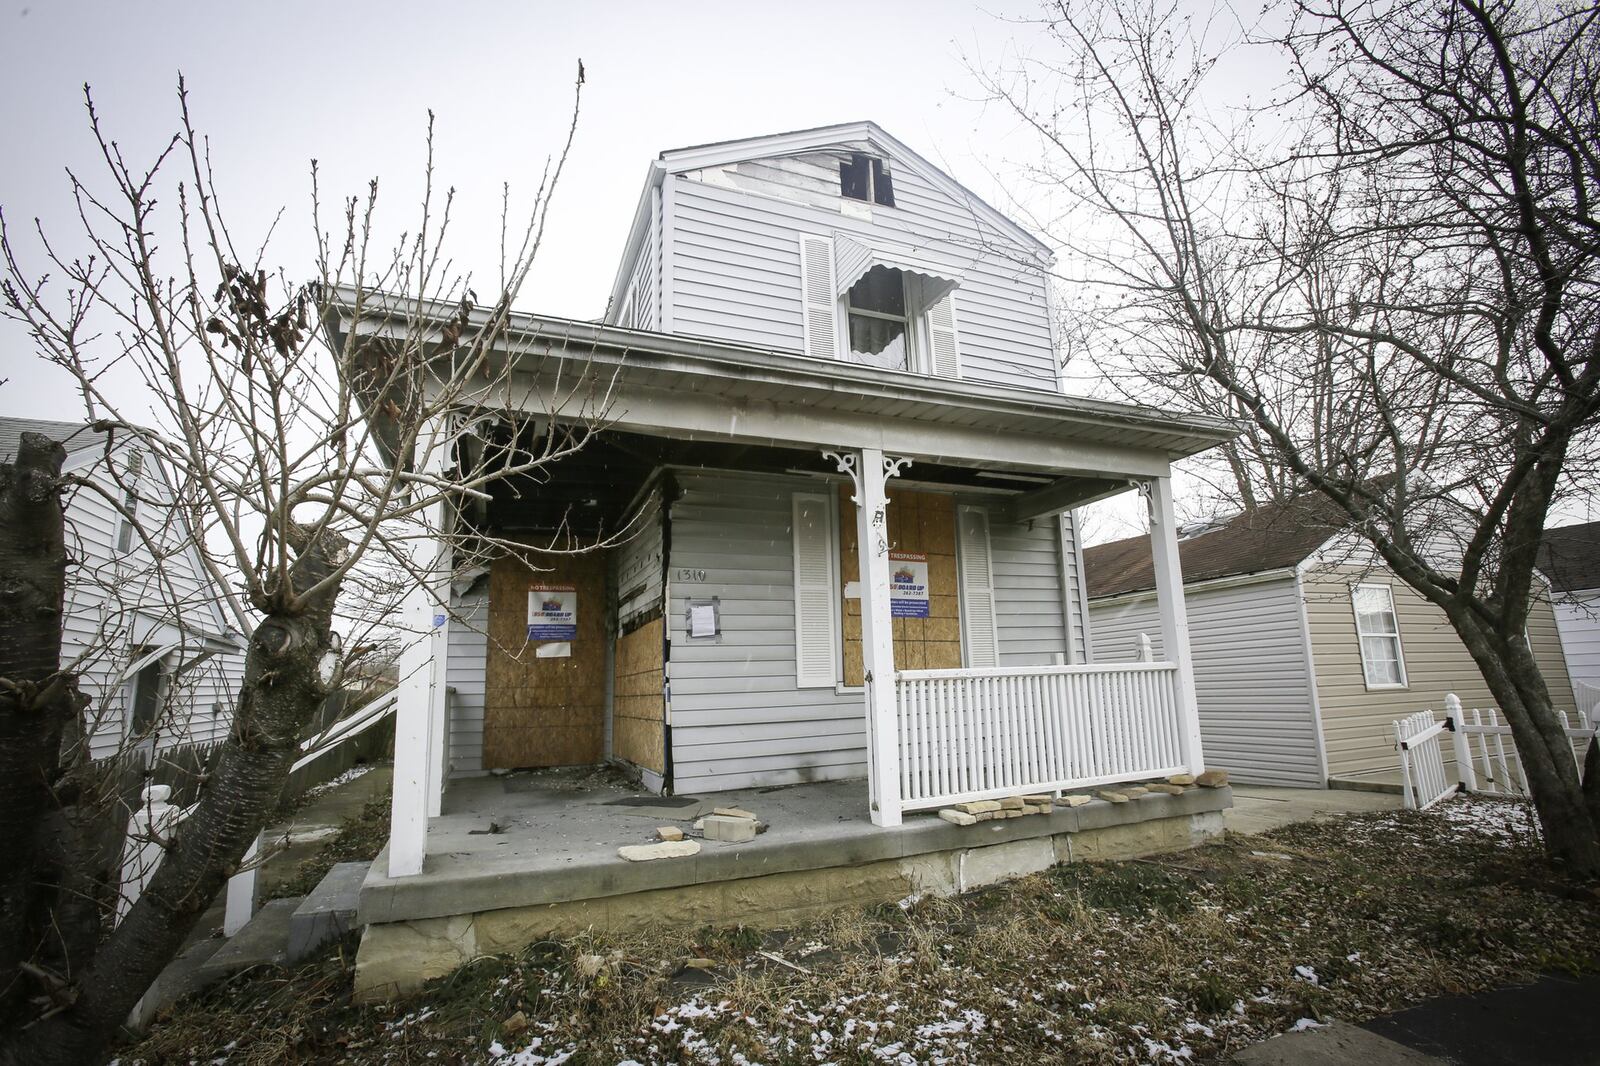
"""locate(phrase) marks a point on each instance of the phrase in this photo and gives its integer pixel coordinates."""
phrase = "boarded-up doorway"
(545, 711)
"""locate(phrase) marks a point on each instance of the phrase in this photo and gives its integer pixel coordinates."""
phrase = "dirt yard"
(1181, 958)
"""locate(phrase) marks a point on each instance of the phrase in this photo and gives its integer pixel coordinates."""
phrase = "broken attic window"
(866, 178)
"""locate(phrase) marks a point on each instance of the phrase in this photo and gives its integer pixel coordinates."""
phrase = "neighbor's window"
(865, 177)
(879, 325)
(1379, 630)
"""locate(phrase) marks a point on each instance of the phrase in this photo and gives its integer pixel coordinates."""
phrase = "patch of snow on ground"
(343, 779)
(1499, 819)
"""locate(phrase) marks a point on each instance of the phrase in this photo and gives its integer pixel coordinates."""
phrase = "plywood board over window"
(544, 711)
(922, 522)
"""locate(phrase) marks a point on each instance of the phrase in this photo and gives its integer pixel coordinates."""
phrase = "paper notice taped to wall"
(702, 621)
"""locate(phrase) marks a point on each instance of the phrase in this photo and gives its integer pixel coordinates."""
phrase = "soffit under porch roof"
(672, 385)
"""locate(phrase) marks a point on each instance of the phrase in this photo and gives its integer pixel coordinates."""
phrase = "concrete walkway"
(1257, 808)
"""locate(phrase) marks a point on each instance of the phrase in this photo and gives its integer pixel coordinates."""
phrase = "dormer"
(838, 243)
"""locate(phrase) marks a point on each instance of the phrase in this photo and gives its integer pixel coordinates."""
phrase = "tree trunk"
(283, 686)
(1545, 750)
(36, 704)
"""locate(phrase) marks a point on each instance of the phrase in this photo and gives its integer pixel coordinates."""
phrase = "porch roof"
(669, 383)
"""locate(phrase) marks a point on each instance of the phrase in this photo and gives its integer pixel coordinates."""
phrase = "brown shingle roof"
(1570, 557)
(1270, 537)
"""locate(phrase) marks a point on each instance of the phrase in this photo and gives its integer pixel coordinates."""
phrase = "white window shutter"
(943, 343)
(978, 625)
(816, 645)
(819, 302)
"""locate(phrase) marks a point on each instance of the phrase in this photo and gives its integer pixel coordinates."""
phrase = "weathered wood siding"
(1357, 722)
(1252, 681)
(738, 718)
(467, 650)
(116, 600)
(734, 246)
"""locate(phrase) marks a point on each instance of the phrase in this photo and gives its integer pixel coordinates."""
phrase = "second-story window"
(865, 177)
(879, 325)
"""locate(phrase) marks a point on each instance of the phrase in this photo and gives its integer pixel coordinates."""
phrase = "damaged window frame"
(907, 320)
(866, 178)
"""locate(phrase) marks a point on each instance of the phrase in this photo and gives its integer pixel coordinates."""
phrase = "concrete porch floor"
(535, 838)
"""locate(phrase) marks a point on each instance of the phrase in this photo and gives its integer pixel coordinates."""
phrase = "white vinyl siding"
(466, 660)
(1382, 660)
(1252, 681)
(118, 601)
(737, 273)
(1578, 621)
(739, 716)
(979, 627)
(815, 591)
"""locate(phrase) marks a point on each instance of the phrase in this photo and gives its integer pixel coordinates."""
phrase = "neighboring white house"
(1305, 649)
(837, 428)
(1570, 559)
(146, 629)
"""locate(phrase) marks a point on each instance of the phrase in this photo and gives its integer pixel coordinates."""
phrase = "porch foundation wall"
(399, 957)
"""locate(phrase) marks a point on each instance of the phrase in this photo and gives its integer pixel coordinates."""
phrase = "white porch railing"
(979, 734)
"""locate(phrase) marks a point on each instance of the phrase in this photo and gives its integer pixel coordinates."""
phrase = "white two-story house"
(148, 631)
(838, 446)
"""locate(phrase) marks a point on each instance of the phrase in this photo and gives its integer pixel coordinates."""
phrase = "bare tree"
(317, 479)
(1387, 272)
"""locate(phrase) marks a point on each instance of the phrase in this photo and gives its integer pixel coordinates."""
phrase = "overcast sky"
(275, 85)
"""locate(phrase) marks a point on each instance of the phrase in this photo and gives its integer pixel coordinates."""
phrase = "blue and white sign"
(908, 585)
(553, 612)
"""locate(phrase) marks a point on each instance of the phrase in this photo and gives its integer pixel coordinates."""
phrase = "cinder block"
(729, 830)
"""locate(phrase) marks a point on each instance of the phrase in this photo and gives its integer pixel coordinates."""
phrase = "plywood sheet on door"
(550, 711)
(917, 522)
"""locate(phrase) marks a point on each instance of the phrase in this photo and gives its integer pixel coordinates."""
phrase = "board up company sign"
(553, 612)
(908, 585)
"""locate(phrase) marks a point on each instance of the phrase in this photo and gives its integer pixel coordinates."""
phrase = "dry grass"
(1147, 961)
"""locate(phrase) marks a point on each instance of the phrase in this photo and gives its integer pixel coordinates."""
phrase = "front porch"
(518, 857)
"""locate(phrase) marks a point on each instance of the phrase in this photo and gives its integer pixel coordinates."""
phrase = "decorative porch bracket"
(1157, 493)
(870, 470)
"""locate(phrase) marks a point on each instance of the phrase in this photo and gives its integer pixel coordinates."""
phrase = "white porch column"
(438, 653)
(1174, 621)
(877, 633)
(419, 698)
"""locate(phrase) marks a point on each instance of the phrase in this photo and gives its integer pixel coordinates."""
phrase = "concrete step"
(182, 977)
(263, 941)
(329, 912)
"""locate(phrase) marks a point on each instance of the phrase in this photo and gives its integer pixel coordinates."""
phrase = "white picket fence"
(1417, 737)
(1486, 760)
(980, 734)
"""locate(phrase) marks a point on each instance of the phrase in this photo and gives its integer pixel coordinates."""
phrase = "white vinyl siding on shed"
(737, 273)
(1578, 619)
(739, 718)
(1252, 681)
(466, 659)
